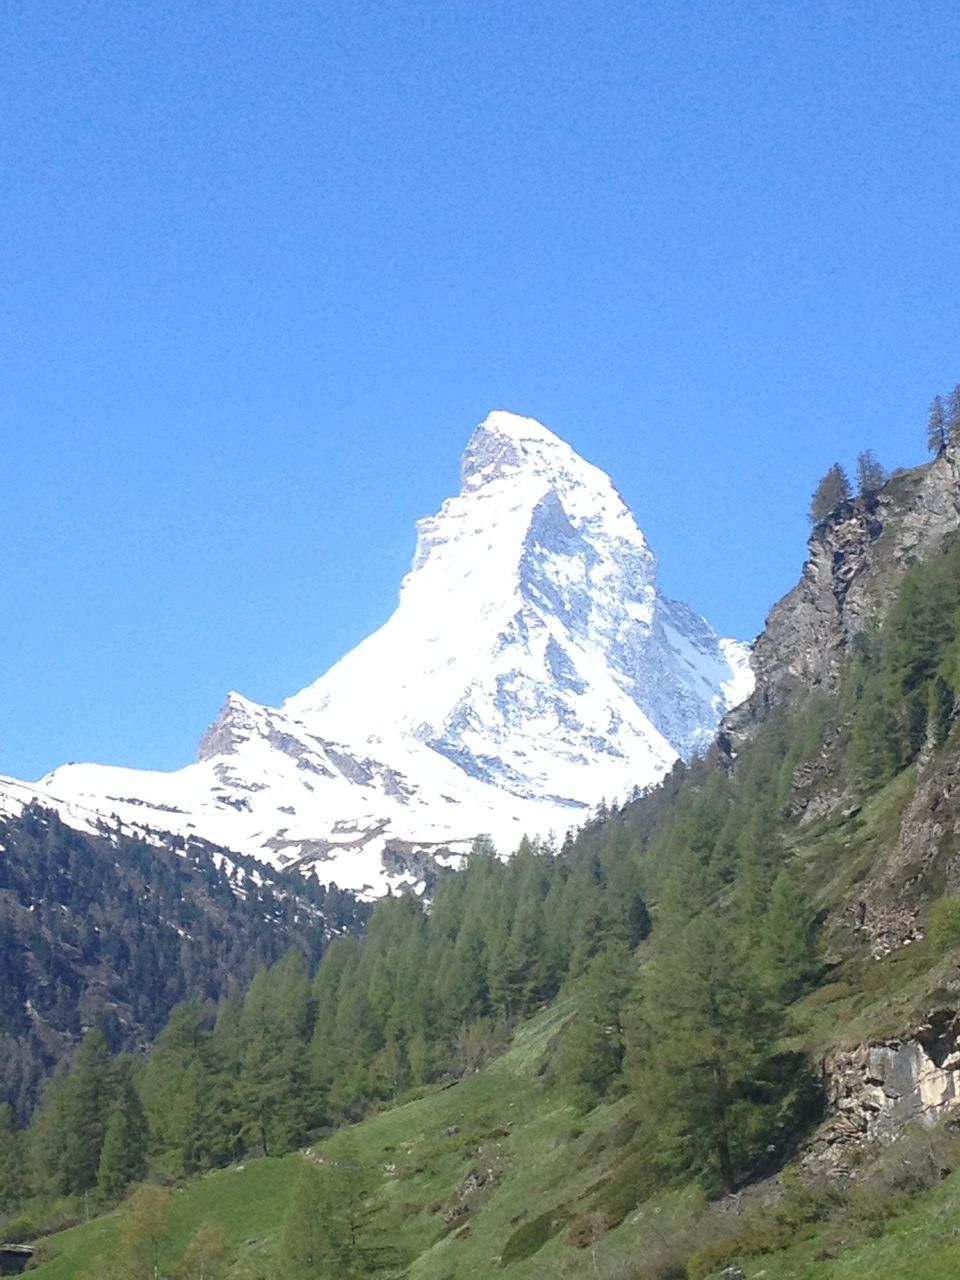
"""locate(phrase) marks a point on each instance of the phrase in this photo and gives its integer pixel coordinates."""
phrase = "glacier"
(530, 670)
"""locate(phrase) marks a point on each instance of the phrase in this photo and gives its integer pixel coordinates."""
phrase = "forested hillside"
(110, 932)
(691, 1037)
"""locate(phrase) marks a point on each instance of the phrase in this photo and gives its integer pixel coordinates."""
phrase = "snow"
(530, 669)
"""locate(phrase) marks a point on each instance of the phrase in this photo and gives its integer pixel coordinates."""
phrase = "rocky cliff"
(856, 559)
(876, 1089)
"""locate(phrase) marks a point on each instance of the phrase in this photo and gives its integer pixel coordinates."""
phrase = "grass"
(543, 1163)
(922, 1243)
(247, 1202)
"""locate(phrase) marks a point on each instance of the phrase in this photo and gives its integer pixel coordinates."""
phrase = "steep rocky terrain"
(856, 560)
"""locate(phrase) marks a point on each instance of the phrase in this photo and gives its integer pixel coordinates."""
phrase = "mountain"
(531, 669)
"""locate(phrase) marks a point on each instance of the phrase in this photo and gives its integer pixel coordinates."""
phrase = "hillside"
(106, 931)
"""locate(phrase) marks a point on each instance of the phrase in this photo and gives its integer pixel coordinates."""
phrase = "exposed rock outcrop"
(874, 1090)
(856, 559)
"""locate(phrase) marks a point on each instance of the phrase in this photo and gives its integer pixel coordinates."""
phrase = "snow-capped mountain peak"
(531, 668)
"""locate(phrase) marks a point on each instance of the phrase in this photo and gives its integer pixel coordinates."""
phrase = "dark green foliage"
(275, 1108)
(123, 1155)
(123, 930)
(68, 1131)
(700, 1053)
(12, 1164)
(832, 490)
(907, 682)
(875, 752)
(788, 947)
(591, 1050)
(531, 1236)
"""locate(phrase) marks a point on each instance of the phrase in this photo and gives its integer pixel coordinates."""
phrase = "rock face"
(531, 669)
(856, 559)
(874, 1090)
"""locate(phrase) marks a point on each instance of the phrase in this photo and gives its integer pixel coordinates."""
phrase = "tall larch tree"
(937, 427)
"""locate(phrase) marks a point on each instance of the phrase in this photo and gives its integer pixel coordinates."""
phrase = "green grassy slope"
(548, 1170)
(542, 1166)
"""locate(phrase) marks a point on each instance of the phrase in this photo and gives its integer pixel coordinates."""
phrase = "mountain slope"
(101, 930)
(530, 670)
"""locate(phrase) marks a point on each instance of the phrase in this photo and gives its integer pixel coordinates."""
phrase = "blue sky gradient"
(264, 267)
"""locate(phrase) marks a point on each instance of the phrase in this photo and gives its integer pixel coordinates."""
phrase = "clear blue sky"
(263, 266)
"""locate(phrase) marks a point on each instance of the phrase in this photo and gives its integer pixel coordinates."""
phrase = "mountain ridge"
(530, 669)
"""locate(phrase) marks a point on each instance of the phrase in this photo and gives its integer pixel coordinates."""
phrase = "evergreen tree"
(517, 981)
(592, 1047)
(834, 488)
(940, 708)
(88, 1098)
(699, 1051)
(327, 1233)
(871, 476)
(45, 1138)
(874, 753)
(123, 1155)
(12, 1165)
(275, 1105)
(67, 1132)
(937, 427)
(312, 1243)
(170, 1089)
(788, 949)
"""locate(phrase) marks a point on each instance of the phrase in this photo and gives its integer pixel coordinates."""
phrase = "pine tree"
(788, 949)
(699, 1051)
(87, 1097)
(937, 427)
(170, 1090)
(45, 1139)
(592, 1047)
(313, 1242)
(833, 489)
(327, 1234)
(123, 1156)
(874, 754)
(276, 1106)
(871, 476)
(12, 1170)
(940, 708)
